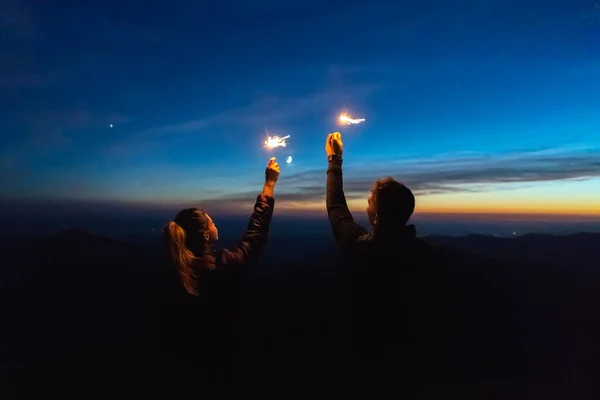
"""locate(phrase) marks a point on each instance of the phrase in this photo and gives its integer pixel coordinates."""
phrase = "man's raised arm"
(345, 230)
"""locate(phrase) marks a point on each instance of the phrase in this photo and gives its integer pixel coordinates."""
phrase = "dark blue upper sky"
(493, 101)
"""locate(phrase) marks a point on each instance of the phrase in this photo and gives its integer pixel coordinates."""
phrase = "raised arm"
(257, 231)
(345, 230)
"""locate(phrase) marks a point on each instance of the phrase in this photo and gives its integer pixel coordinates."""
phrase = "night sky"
(482, 106)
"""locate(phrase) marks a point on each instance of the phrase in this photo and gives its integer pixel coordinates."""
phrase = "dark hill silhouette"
(84, 311)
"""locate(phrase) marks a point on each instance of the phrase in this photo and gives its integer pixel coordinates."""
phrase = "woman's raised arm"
(257, 231)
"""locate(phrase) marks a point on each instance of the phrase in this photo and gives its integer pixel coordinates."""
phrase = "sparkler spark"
(348, 120)
(275, 141)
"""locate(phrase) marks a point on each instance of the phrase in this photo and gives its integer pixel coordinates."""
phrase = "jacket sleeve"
(345, 230)
(255, 237)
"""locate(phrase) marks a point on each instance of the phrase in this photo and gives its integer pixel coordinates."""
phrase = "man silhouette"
(396, 280)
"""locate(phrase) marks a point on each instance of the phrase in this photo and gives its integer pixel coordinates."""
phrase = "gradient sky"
(479, 106)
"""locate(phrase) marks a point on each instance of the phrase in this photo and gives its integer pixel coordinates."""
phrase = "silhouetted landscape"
(86, 313)
(137, 139)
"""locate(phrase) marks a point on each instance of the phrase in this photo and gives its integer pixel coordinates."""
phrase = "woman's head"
(187, 239)
(197, 225)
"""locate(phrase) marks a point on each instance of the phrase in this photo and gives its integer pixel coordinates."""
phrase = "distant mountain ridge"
(580, 249)
(71, 246)
(535, 247)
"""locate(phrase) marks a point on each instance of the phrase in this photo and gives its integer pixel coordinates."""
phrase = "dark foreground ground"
(101, 321)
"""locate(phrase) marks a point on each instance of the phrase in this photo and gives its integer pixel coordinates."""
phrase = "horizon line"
(120, 206)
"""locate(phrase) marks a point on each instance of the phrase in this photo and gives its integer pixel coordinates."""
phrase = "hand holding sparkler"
(334, 144)
(272, 172)
(271, 176)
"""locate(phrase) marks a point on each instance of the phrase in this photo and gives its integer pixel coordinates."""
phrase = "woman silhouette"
(190, 236)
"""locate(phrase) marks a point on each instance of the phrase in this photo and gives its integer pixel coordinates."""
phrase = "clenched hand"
(272, 171)
(334, 145)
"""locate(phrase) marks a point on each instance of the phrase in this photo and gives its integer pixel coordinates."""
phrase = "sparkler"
(348, 120)
(275, 141)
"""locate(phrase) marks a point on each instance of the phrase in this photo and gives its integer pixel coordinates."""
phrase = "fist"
(334, 145)
(272, 172)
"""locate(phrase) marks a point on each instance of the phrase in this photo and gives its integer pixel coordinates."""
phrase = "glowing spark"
(111, 125)
(275, 141)
(289, 160)
(348, 120)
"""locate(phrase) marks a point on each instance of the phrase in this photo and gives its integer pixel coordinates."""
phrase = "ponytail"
(183, 258)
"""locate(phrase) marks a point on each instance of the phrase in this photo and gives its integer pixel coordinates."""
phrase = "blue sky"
(476, 105)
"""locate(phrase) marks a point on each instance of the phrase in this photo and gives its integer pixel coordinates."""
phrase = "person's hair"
(187, 247)
(393, 203)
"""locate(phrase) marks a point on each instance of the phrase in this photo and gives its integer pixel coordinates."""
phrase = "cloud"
(275, 109)
(272, 108)
(439, 175)
(443, 174)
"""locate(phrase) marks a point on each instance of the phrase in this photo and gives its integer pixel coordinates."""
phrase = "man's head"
(391, 204)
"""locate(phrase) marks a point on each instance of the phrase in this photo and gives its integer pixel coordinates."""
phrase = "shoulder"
(365, 242)
(367, 247)
(224, 257)
(365, 239)
(228, 262)
(361, 247)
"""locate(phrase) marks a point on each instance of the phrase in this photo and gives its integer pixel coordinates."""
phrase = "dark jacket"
(229, 263)
(396, 247)
(253, 240)
(217, 287)
(397, 284)
(199, 334)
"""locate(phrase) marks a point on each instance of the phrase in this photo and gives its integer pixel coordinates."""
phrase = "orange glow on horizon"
(531, 201)
(359, 206)
(562, 199)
